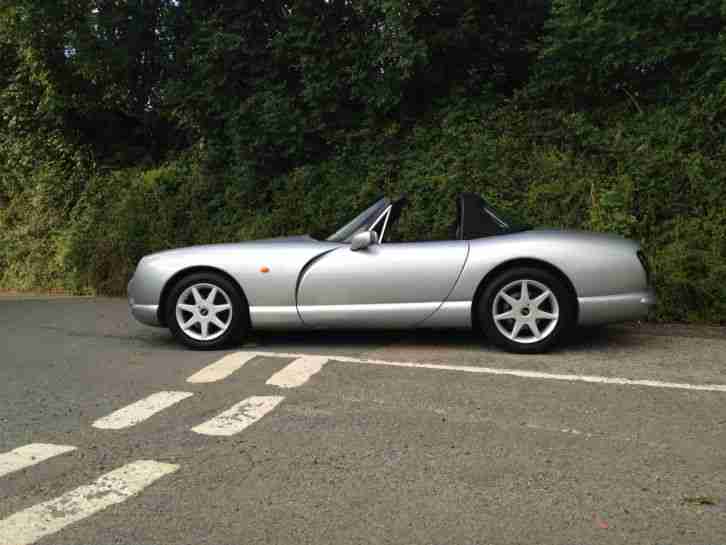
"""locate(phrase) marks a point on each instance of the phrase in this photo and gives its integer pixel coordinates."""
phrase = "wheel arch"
(522, 262)
(161, 311)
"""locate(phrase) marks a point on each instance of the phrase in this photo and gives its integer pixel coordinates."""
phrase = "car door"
(382, 286)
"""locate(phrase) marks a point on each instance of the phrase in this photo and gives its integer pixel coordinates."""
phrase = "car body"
(352, 280)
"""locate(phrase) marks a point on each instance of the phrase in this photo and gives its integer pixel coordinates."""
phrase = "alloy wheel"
(204, 311)
(525, 311)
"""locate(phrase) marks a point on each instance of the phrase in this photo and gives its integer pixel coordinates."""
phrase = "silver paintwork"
(146, 314)
(367, 316)
(516, 314)
(615, 308)
(363, 240)
(322, 284)
(277, 317)
(451, 314)
(385, 285)
(596, 264)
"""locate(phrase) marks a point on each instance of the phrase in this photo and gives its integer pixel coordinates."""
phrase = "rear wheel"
(205, 311)
(526, 310)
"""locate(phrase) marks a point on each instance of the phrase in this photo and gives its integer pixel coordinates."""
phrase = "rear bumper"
(615, 308)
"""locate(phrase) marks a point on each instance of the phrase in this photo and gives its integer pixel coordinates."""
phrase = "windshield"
(361, 222)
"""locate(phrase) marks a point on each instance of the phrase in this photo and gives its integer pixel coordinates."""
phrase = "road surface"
(110, 433)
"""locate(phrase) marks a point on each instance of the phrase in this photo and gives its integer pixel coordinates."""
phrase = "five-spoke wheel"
(206, 311)
(525, 309)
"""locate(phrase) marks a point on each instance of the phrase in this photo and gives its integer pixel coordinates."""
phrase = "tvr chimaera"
(522, 288)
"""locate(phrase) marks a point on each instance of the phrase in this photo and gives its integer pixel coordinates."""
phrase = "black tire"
(556, 330)
(238, 325)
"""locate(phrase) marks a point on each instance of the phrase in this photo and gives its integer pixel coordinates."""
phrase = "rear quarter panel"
(596, 264)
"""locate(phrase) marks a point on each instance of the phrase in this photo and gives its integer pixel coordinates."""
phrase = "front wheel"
(205, 311)
(526, 310)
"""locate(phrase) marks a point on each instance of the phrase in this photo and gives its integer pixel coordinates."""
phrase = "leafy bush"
(134, 127)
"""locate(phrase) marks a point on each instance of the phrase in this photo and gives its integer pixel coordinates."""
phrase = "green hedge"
(657, 176)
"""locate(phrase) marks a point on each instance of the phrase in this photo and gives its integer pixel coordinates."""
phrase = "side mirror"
(361, 241)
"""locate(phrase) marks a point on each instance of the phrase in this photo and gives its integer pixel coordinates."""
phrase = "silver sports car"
(522, 288)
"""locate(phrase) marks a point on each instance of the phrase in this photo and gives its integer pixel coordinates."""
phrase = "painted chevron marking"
(140, 410)
(298, 372)
(239, 416)
(34, 523)
(29, 455)
(222, 368)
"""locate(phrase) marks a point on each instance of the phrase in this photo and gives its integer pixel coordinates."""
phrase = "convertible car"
(524, 289)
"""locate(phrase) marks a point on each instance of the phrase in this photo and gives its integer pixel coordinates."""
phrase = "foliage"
(130, 127)
(597, 51)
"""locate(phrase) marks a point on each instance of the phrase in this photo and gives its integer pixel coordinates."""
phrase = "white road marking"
(520, 373)
(239, 416)
(29, 455)
(28, 526)
(570, 431)
(298, 372)
(222, 368)
(140, 410)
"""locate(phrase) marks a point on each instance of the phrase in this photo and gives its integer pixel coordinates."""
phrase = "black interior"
(475, 218)
(456, 231)
(474, 221)
(396, 210)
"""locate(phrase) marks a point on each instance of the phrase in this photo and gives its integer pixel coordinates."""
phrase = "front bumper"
(146, 314)
(615, 308)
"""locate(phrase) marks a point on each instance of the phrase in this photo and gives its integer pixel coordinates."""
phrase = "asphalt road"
(438, 448)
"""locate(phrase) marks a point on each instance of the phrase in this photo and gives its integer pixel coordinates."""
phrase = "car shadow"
(582, 339)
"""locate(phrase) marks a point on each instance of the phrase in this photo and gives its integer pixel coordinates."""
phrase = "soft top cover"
(478, 219)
